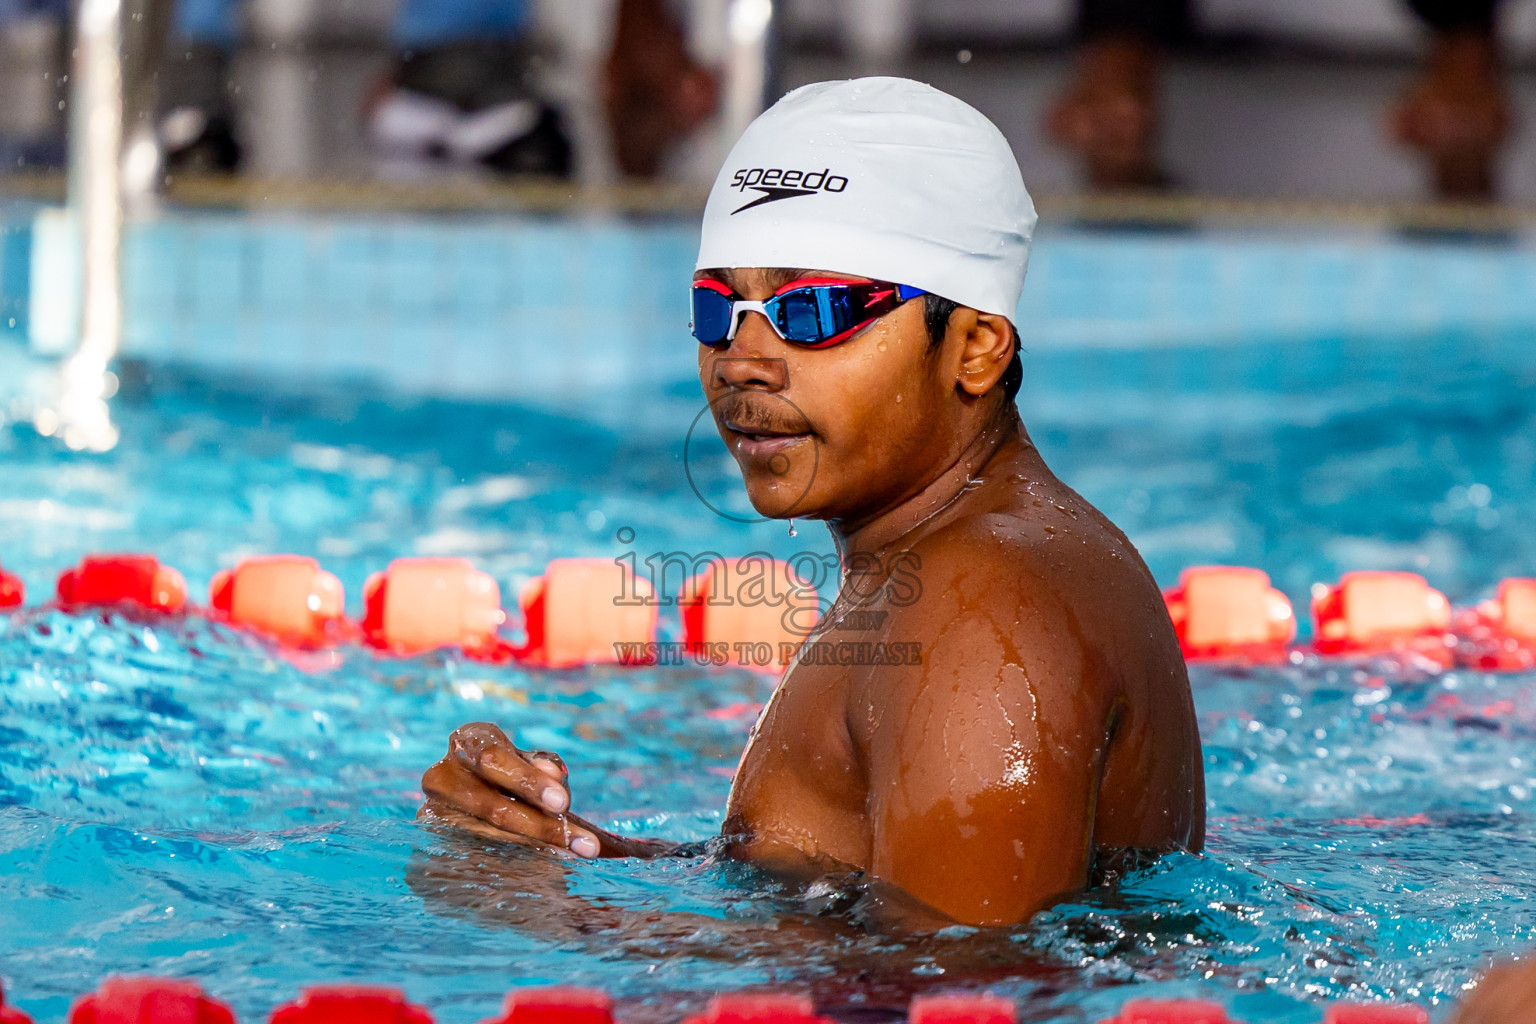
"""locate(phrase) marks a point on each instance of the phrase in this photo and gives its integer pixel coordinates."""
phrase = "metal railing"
(89, 234)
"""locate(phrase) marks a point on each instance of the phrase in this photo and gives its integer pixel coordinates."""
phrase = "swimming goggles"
(811, 312)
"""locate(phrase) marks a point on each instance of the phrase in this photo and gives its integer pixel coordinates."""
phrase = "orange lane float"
(1382, 613)
(1227, 611)
(12, 593)
(287, 597)
(584, 611)
(149, 1001)
(422, 604)
(137, 580)
(1499, 635)
(747, 601)
(350, 1004)
(588, 611)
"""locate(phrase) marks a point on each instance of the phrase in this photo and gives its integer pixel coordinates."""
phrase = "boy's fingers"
(551, 764)
(477, 737)
(450, 784)
(497, 761)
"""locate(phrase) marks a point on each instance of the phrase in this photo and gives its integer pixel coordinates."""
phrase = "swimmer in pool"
(863, 253)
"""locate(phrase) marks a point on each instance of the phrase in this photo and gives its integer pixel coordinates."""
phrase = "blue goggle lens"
(711, 316)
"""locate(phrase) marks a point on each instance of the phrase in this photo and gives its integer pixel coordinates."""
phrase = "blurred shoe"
(470, 104)
(195, 141)
(517, 137)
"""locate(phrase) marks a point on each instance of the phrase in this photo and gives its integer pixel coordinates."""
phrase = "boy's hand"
(527, 793)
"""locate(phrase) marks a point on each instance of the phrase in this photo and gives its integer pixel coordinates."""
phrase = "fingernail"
(584, 846)
(554, 799)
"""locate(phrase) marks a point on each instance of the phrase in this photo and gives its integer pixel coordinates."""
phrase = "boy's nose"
(738, 372)
(755, 336)
(753, 360)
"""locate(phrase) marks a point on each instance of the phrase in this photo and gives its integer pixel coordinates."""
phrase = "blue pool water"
(177, 798)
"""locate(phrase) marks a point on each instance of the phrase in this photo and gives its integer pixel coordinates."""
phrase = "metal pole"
(96, 201)
(749, 65)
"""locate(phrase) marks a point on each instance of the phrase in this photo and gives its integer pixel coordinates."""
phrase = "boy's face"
(834, 433)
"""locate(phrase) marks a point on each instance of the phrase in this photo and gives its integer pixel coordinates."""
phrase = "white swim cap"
(885, 178)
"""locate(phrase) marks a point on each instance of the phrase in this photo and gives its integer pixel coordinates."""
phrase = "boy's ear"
(986, 342)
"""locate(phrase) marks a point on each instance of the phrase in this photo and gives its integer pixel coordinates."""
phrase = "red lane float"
(422, 604)
(149, 1001)
(1374, 1013)
(350, 1004)
(584, 611)
(12, 593)
(555, 1006)
(1173, 1011)
(164, 1001)
(1499, 635)
(11, 1015)
(587, 611)
(1227, 611)
(1382, 613)
(759, 1009)
(287, 597)
(752, 600)
(961, 1010)
(138, 580)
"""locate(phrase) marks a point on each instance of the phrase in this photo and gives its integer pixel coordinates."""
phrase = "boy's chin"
(781, 502)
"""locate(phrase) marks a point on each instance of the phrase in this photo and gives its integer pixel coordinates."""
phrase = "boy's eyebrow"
(777, 277)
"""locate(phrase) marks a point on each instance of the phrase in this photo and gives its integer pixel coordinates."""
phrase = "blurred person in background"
(656, 94)
(1456, 112)
(462, 90)
(197, 123)
(33, 53)
(459, 91)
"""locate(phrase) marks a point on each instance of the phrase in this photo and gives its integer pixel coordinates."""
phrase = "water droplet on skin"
(881, 346)
(898, 399)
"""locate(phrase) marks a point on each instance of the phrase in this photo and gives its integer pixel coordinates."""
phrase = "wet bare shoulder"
(1060, 573)
(982, 577)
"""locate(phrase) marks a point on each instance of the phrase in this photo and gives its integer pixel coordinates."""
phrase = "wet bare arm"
(984, 766)
(1505, 995)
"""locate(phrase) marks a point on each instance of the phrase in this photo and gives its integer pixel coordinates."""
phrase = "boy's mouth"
(764, 446)
(754, 439)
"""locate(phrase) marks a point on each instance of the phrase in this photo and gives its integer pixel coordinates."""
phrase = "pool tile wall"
(557, 310)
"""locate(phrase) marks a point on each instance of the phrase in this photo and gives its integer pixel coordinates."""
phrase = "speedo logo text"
(775, 183)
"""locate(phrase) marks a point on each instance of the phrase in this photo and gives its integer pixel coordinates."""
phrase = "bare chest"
(800, 792)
